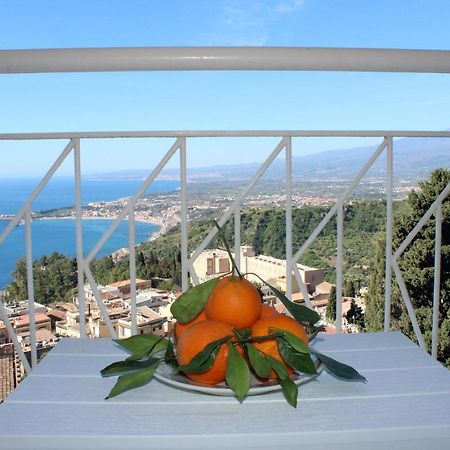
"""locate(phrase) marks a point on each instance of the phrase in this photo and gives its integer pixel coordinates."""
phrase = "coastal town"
(59, 320)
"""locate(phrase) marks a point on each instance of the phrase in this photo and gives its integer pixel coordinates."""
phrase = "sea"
(58, 235)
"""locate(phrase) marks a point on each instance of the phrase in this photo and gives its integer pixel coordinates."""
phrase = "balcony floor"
(404, 404)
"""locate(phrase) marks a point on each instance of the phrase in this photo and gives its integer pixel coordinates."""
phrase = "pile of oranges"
(233, 304)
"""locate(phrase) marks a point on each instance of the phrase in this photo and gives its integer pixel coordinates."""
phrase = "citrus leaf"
(339, 369)
(238, 373)
(169, 356)
(243, 333)
(189, 304)
(300, 313)
(204, 359)
(290, 391)
(142, 345)
(126, 366)
(279, 368)
(258, 362)
(159, 345)
(133, 380)
(295, 341)
(299, 361)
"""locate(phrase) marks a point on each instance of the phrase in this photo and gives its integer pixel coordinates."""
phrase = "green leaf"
(258, 362)
(203, 360)
(279, 368)
(294, 341)
(126, 366)
(300, 313)
(238, 373)
(142, 345)
(339, 369)
(299, 361)
(290, 391)
(169, 356)
(243, 333)
(133, 380)
(190, 303)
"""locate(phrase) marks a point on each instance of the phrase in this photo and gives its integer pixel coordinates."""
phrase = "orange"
(180, 328)
(194, 340)
(270, 346)
(235, 301)
(268, 311)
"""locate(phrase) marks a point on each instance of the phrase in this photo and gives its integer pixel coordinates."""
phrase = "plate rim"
(223, 390)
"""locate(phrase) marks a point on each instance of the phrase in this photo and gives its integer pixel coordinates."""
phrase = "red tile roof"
(21, 321)
(126, 283)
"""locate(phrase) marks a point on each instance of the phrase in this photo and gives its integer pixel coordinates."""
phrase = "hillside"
(414, 159)
(264, 228)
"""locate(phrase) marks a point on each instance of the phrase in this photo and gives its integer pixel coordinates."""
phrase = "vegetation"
(330, 312)
(55, 276)
(55, 279)
(417, 267)
(264, 228)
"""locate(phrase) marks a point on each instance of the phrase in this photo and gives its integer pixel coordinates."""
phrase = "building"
(21, 324)
(148, 322)
(214, 263)
(8, 372)
(21, 308)
(124, 286)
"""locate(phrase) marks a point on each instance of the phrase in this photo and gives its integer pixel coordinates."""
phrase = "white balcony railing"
(150, 59)
(179, 147)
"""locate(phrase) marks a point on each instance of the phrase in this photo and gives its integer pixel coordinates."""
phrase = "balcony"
(404, 401)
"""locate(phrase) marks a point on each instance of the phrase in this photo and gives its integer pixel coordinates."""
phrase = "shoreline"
(151, 236)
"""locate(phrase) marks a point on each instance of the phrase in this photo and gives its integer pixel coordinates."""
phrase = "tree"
(55, 279)
(417, 267)
(331, 305)
(374, 316)
(355, 315)
(349, 289)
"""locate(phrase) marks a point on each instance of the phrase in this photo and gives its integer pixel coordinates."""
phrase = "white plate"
(165, 374)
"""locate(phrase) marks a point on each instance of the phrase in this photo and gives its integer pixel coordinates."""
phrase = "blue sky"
(214, 100)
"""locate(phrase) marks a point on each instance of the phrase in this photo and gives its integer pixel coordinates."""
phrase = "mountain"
(414, 159)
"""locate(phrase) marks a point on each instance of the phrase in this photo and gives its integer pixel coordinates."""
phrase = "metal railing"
(180, 146)
(216, 58)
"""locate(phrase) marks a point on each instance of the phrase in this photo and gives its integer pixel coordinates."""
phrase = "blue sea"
(58, 235)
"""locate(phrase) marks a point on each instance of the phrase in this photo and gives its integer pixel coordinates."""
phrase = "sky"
(214, 100)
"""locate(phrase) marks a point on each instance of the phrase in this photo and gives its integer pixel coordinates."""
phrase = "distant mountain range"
(414, 158)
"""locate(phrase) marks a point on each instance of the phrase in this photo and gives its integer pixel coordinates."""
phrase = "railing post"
(79, 237)
(339, 264)
(288, 153)
(30, 287)
(437, 280)
(183, 216)
(237, 236)
(132, 256)
(389, 224)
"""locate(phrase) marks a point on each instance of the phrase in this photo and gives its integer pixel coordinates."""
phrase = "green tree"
(349, 289)
(417, 267)
(331, 305)
(54, 276)
(374, 316)
(355, 315)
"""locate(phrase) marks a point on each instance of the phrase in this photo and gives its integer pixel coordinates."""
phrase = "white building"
(213, 263)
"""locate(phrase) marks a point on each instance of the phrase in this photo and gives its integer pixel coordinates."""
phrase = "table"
(404, 404)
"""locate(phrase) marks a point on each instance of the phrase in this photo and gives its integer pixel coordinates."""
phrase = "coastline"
(162, 227)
